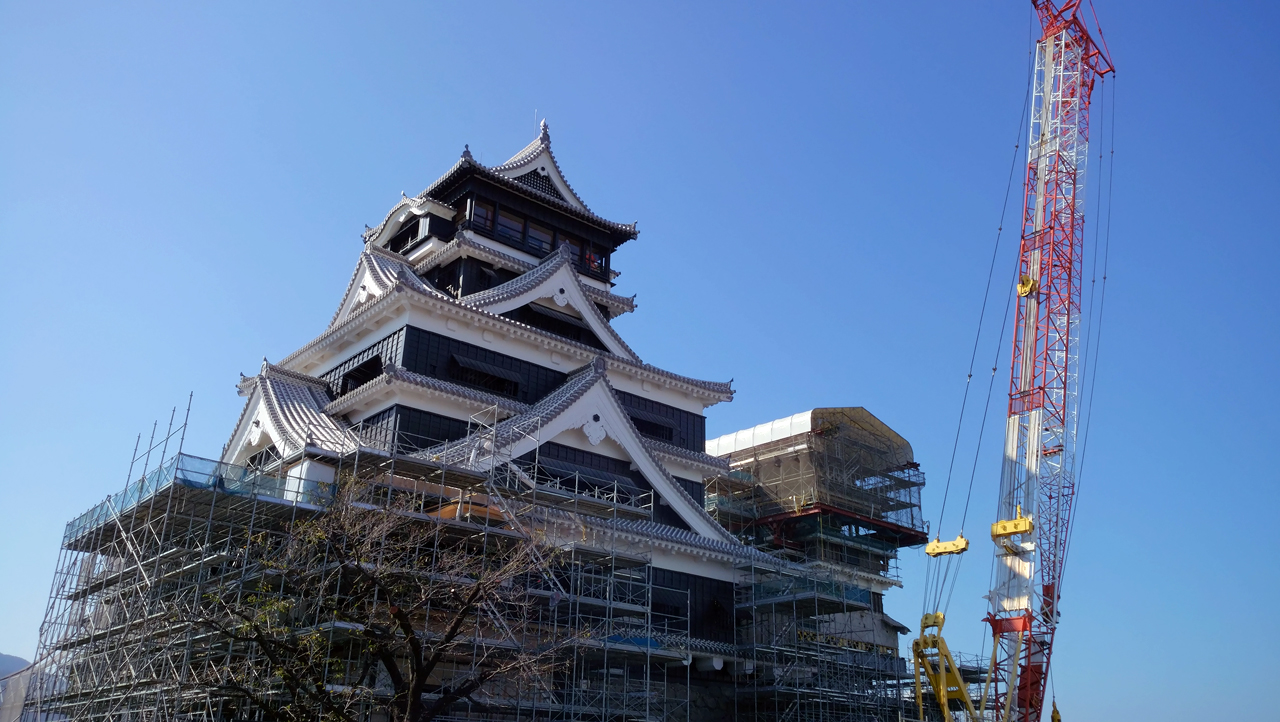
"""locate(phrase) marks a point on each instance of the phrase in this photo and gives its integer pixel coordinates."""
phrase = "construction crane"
(1037, 480)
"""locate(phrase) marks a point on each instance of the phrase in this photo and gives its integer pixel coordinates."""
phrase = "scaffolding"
(110, 648)
(808, 643)
(844, 491)
(837, 500)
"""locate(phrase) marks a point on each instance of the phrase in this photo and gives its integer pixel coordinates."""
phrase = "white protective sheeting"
(801, 423)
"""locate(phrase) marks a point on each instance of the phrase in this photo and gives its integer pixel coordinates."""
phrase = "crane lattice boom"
(1037, 483)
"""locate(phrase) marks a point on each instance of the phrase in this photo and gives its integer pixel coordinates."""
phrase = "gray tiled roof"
(661, 532)
(510, 431)
(531, 151)
(717, 387)
(405, 202)
(531, 280)
(392, 373)
(384, 269)
(527, 281)
(493, 174)
(463, 243)
(619, 363)
(679, 489)
(295, 405)
(696, 457)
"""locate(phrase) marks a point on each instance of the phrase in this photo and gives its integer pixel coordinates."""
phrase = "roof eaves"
(246, 386)
(539, 275)
(722, 391)
(372, 233)
(687, 455)
(735, 550)
(463, 242)
(359, 313)
(393, 375)
(468, 163)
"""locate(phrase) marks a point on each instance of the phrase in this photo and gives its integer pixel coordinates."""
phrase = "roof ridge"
(539, 145)
(371, 234)
(461, 239)
(390, 254)
(700, 509)
(583, 213)
(529, 152)
(270, 369)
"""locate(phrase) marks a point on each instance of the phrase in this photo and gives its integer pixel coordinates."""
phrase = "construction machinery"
(1038, 477)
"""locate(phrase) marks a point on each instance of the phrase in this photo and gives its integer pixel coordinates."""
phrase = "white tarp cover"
(801, 423)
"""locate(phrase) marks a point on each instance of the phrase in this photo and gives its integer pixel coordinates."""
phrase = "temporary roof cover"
(803, 423)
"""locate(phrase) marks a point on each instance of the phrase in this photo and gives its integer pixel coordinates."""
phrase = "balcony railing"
(197, 473)
(597, 269)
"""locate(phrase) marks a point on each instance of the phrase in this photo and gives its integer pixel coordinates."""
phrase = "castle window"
(482, 214)
(595, 260)
(481, 375)
(407, 234)
(652, 425)
(511, 228)
(361, 375)
(539, 238)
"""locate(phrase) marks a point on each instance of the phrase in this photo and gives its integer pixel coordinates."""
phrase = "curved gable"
(377, 272)
(286, 408)
(585, 403)
(535, 167)
(553, 279)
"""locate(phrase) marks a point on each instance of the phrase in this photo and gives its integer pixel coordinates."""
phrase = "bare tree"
(373, 606)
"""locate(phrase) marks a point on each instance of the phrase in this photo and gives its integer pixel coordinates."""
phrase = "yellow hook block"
(1027, 286)
(937, 548)
(1017, 525)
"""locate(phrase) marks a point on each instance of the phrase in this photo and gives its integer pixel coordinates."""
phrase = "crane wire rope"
(1102, 305)
(1088, 372)
(936, 582)
(991, 383)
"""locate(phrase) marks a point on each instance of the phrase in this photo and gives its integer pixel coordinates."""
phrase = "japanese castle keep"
(471, 368)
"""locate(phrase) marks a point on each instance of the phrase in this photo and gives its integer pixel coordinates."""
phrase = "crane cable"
(1102, 305)
(937, 576)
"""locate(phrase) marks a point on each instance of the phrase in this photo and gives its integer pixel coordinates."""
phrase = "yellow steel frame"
(933, 659)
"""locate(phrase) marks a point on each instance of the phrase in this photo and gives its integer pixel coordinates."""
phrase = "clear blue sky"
(182, 188)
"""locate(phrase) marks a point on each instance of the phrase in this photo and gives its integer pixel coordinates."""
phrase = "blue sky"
(182, 188)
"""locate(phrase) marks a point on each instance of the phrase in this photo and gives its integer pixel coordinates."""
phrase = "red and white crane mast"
(1037, 483)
